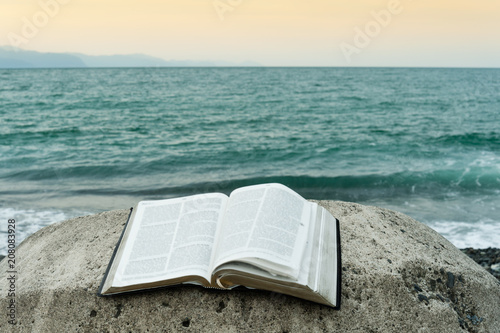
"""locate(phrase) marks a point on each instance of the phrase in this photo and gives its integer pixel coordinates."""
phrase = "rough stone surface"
(398, 275)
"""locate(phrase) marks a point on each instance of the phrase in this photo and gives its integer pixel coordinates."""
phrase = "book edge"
(115, 251)
(339, 267)
(338, 287)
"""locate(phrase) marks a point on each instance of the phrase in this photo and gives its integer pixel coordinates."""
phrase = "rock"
(392, 281)
(451, 280)
(487, 258)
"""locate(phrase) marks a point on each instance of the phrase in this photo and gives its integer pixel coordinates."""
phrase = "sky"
(410, 33)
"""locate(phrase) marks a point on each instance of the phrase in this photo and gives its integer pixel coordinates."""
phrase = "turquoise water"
(425, 142)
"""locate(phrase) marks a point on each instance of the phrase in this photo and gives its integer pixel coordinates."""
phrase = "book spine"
(339, 266)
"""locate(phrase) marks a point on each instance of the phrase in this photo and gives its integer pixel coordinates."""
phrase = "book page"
(265, 225)
(170, 239)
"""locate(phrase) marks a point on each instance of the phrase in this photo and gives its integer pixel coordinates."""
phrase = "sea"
(422, 141)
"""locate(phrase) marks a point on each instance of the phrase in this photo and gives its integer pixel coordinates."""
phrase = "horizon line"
(260, 66)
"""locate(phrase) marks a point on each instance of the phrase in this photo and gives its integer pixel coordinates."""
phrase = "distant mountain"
(132, 60)
(18, 58)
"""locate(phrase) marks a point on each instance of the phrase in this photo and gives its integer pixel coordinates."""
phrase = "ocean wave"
(473, 177)
(60, 172)
(435, 184)
(462, 234)
(69, 132)
(28, 221)
(489, 140)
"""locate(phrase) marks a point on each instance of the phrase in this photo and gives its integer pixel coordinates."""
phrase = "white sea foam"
(28, 222)
(481, 234)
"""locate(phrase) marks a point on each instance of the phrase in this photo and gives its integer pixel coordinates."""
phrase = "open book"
(263, 236)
